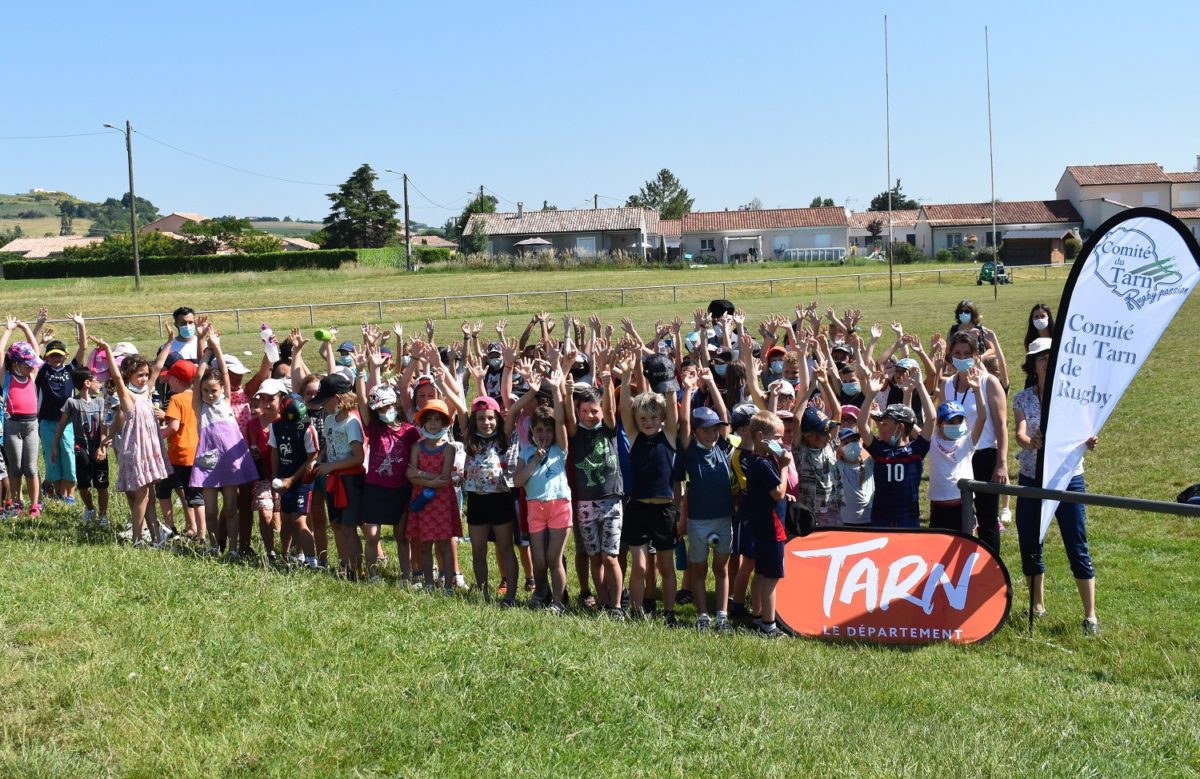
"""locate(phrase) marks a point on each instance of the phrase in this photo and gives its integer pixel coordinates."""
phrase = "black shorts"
(491, 508)
(351, 514)
(90, 473)
(179, 480)
(385, 505)
(653, 524)
(768, 557)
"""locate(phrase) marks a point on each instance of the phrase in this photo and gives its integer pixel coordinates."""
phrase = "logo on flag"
(1127, 262)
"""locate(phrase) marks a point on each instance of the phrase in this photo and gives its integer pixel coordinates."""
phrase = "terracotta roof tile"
(40, 248)
(566, 221)
(670, 228)
(763, 219)
(1185, 177)
(1007, 212)
(1187, 213)
(1134, 173)
(901, 218)
(436, 241)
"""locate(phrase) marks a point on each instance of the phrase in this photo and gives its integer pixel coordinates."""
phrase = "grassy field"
(119, 662)
(295, 229)
(47, 225)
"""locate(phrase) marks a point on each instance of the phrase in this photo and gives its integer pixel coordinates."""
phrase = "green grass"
(142, 663)
(293, 229)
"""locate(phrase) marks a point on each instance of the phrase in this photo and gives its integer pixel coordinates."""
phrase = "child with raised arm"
(294, 443)
(433, 515)
(766, 510)
(18, 377)
(543, 474)
(223, 462)
(899, 458)
(652, 515)
(84, 414)
(950, 456)
(140, 461)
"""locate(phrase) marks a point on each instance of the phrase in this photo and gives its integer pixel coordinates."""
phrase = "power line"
(427, 197)
(231, 167)
(502, 197)
(45, 137)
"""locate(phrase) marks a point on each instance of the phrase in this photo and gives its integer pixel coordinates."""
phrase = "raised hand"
(429, 329)
(594, 321)
(466, 329)
(739, 317)
(77, 318)
(47, 333)
(508, 350)
(43, 314)
(974, 377)
(11, 323)
(898, 329)
(398, 329)
(876, 382)
(500, 325)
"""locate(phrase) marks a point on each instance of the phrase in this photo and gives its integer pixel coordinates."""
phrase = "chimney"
(520, 210)
(1198, 163)
(546, 203)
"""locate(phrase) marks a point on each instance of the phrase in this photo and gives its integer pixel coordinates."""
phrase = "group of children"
(699, 449)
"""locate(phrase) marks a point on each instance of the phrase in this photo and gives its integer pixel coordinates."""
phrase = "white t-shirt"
(858, 490)
(989, 385)
(185, 349)
(339, 436)
(949, 461)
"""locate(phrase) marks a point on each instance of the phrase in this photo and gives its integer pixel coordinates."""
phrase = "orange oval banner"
(892, 587)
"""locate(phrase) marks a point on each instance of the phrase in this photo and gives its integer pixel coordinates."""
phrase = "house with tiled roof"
(904, 227)
(49, 246)
(764, 234)
(1024, 225)
(1099, 192)
(172, 222)
(585, 231)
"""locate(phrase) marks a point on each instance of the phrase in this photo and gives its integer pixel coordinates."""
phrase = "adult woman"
(967, 319)
(1041, 325)
(1072, 519)
(990, 461)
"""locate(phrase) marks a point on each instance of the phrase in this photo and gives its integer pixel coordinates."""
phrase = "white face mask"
(1040, 323)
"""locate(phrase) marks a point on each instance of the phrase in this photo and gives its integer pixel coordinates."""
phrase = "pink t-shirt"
(22, 396)
(388, 451)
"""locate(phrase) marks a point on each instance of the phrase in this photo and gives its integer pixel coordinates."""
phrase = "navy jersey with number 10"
(898, 472)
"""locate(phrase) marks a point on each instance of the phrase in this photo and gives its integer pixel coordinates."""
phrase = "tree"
(474, 242)
(256, 242)
(211, 234)
(362, 217)
(875, 228)
(112, 216)
(754, 205)
(117, 246)
(665, 194)
(480, 205)
(899, 201)
(7, 235)
(821, 202)
(548, 206)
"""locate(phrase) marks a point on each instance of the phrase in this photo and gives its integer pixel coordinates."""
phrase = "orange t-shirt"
(181, 445)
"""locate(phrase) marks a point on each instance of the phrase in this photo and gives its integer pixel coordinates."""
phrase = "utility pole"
(887, 113)
(481, 198)
(595, 202)
(408, 263)
(133, 228)
(987, 54)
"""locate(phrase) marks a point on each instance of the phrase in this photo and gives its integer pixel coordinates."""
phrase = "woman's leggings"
(21, 446)
(987, 507)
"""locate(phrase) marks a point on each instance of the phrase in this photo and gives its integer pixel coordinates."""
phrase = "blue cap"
(949, 410)
(846, 433)
(703, 416)
(741, 415)
(814, 421)
(347, 346)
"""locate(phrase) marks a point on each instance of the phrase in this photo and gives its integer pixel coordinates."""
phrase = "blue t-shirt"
(652, 467)
(55, 388)
(709, 482)
(764, 514)
(898, 472)
(549, 479)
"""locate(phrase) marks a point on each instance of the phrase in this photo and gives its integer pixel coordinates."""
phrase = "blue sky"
(560, 101)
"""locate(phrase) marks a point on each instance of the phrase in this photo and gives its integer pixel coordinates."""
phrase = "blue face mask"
(776, 366)
(430, 436)
(895, 439)
(345, 360)
(495, 363)
(851, 387)
(187, 331)
(388, 417)
(955, 432)
(776, 448)
(137, 390)
(963, 365)
(719, 368)
(795, 382)
(964, 317)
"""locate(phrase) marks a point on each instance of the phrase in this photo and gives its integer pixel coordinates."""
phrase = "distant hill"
(36, 213)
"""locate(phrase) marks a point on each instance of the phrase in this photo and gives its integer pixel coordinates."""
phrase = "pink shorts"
(262, 497)
(554, 514)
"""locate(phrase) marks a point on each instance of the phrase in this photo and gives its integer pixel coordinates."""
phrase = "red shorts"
(554, 514)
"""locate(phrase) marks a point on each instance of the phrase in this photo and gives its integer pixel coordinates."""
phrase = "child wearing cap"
(342, 466)
(390, 440)
(18, 377)
(55, 388)
(84, 414)
(815, 448)
(765, 511)
(294, 443)
(899, 457)
(265, 410)
(652, 516)
(953, 445)
(857, 471)
(181, 430)
(708, 477)
(433, 516)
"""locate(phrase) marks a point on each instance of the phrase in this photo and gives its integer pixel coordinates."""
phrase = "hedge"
(328, 259)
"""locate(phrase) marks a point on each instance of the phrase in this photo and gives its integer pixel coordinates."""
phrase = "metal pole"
(133, 229)
(991, 165)
(887, 113)
(408, 263)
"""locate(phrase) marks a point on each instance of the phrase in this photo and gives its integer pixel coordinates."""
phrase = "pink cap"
(850, 411)
(485, 402)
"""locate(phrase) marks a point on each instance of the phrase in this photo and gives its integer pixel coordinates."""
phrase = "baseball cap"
(1039, 345)
(485, 402)
(949, 410)
(493, 348)
(704, 417)
(741, 415)
(56, 347)
(850, 411)
(785, 388)
(347, 346)
(183, 370)
(437, 404)
(898, 412)
(660, 373)
(381, 396)
(776, 350)
(814, 421)
(270, 387)
(25, 354)
(847, 433)
(907, 363)
(233, 365)
(840, 346)
(331, 385)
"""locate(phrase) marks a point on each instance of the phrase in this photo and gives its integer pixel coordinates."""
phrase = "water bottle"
(423, 497)
(713, 538)
(270, 345)
(323, 335)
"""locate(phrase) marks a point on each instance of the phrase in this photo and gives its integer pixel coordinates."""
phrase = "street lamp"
(133, 230)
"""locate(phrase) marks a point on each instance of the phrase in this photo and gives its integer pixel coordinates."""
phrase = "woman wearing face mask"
(386, 491)
(990, 460)
(1041, 325)
(968, 319)
(1072, 518)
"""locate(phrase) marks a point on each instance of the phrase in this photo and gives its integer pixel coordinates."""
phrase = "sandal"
(589, 601)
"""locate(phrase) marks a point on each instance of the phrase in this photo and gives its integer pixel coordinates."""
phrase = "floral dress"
(437, 520)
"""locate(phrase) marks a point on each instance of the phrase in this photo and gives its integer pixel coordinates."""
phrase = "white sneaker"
(89, 515)
(1005, 514)
(460, 582)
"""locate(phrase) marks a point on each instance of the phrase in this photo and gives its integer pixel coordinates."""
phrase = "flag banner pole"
(1130, 280)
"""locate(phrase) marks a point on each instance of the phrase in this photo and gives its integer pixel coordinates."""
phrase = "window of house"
(708, 244)
(911, 239)
(1150, 198)
(990, 238)
(1189, 196)
(585, 244)
(953, 239)
(822, 240)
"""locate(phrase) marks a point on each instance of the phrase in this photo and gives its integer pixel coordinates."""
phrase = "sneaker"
(683, 597)
(669, 619)
(103, 521)
(1040, 612)
(556, 609)
(625, 598)
(35, 510)
(1091, 627)
(703, 622)
(69, 501)
(723, 626)
(508, 603)
(374, 579)
(770, 631)
(447, 591)
(89, 515)
(460, 583)
(615, 614)
(737, 610)
(1005, 515)
(649, 605)
(530, 584)
(233, 557)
